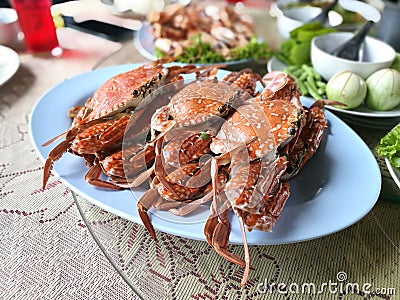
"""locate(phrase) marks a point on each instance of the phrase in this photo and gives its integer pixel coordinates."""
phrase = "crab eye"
(292, 131)
(223, 109)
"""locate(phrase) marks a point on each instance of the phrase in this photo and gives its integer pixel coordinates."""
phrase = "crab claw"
(145, 202)
(217, 230)
(53, 156)
(322, 102)
(209, 229)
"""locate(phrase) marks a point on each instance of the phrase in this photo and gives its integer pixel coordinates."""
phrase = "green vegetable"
(396, 63)
(159, 53)
(346, 87)
(383, 90)
(199, 52)
(389, 146)
(204, 136)
(296, 50)
(308, 80)
(202, 52)
(255, 49)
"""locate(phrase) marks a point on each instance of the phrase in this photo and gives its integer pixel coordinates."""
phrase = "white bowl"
(377, 55)
(8, 26)
(291, 18)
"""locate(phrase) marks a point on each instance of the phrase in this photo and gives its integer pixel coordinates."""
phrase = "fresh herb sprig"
(255, 49)
(202, 53)
(199, 52)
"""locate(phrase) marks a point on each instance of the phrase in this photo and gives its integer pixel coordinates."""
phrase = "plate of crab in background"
(145, 44)
(344, 190)
(362, 115)
(201, 33)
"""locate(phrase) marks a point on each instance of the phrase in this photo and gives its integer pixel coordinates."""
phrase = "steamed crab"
(196, 103)
(195, 107)
(286, 136)
(261, 144)
(99, 125)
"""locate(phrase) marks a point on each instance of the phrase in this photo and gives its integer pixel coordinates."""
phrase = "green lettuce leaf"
(296, 50)
(389, 146)
(202, 52)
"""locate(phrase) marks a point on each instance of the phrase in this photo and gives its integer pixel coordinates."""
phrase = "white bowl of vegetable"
(377, 55)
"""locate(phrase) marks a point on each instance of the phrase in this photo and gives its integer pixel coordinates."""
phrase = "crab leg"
(162, 204)
(72, 132)
(53, 156)
(158, 166)
(51, 141)
(93, 177)
(187, 208)
(216, 231)
(100, 136)
(140, 178)
(144, 204)
(57, 152)
(246, 253)
(217, 227)
(135, 168)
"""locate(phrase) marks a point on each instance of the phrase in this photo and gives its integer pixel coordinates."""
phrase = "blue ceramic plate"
(335, 189)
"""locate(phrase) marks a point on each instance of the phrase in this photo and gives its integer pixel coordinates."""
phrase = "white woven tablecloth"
(46, 251)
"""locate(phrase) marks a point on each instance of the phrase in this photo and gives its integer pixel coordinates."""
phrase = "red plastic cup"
(36, 23)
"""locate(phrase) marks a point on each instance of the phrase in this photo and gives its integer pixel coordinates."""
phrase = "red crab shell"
(125, 90)
(273, 123)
